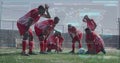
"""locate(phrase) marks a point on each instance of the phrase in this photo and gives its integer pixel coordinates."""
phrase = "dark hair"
(56, 18)
(41, 7)
(57, 33)
(69, 25)
(87, 29)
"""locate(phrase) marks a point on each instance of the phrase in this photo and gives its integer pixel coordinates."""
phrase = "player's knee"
(25, 36)
(30, 38)
(41, 37)
(73, 41)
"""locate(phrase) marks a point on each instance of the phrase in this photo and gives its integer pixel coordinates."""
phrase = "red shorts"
(22, 29)
(38, 31)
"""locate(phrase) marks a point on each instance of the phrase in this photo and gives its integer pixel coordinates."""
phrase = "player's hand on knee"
(42, 37)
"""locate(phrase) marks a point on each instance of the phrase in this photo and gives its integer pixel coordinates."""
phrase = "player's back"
(43, 24)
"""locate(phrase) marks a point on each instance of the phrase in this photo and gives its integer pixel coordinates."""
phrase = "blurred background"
(104, 12)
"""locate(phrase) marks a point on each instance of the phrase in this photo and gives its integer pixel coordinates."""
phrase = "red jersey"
(54, 39)
(31, 14)
(44, 24)
(96, 42)
(74, 31)
(93, 36)
(61, 39)
(91, 24)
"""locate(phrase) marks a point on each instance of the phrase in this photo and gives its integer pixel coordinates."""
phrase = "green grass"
(13, 56)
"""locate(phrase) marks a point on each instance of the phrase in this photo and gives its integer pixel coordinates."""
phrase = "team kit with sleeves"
(90, 22)
(43, 30)
(76, 36)
(95, 43)
(24, 24)
(48, 42)
(55, 42)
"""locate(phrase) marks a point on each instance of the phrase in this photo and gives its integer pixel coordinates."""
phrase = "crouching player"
(42, 30)
(95, 43)
(55, 42)
(76, 35)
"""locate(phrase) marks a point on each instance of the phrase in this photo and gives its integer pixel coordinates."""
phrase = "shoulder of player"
(94, 33)
(91, 19)
(35, 10)
(50, 20)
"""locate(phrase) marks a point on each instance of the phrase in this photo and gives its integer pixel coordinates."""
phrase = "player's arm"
(46, 31)
(71, 36)
(29, 23)
(84, 20)
(94, 23)
(47, 15)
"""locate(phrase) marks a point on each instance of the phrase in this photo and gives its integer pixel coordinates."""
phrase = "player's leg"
(79, 44)
(25, 35)
(60, 47)
(60, 44)
(73, 45)
(92, 49)
(49, 47)
(45, 45)
(103, 50)
(42, 44)
(24, 43)
(101, 46)
(88, 47)
(31, 43)
(80, 40)
(39, 34)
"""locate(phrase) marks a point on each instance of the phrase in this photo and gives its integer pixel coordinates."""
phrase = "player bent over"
(42, 30)
(90, 23)
(76, 35)
(28, 20)
(55, 42)
(95, 43)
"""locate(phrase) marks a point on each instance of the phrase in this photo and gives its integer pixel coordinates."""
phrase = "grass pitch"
(13, 56)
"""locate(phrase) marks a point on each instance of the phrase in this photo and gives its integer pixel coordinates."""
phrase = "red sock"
(31, 46)
(41, 46)
(24, 44)
(80, 45)
(45, 46)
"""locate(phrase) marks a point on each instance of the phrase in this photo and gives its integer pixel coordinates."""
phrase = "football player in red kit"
(55, 42)
(90, 23)
(42, 30)
(76, 35)
(28, 20)
(95, 43)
